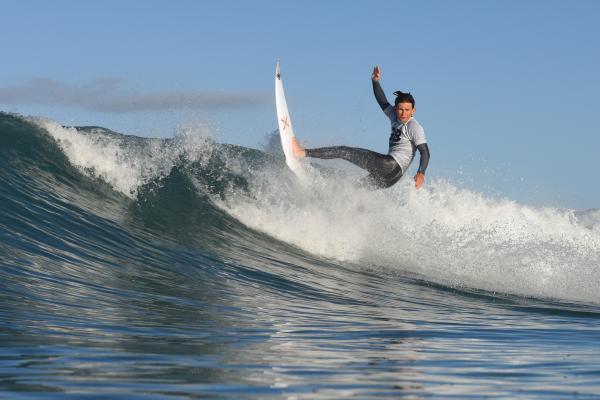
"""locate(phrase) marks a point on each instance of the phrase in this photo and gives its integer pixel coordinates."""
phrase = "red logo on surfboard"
(285, 122)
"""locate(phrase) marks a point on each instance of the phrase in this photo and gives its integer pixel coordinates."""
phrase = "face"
(404, 111)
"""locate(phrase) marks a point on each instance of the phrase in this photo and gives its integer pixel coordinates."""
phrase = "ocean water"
(183, 268)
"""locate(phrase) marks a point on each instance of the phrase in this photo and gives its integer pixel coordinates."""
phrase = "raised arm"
(378, 90)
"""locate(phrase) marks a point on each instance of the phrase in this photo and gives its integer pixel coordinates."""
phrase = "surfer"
(406, 137)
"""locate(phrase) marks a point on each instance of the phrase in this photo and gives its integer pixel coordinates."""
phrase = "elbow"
(424, 150)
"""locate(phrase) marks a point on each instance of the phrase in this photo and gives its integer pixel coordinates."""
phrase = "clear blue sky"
(507, 91)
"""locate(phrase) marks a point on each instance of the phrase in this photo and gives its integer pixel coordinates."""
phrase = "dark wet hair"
(402, 97)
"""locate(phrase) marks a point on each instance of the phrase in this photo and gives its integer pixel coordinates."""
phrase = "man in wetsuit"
(406, 137)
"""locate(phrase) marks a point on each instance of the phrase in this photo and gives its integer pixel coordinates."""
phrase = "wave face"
(139, 252)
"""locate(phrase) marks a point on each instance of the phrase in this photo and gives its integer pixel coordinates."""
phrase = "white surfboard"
(286, 131)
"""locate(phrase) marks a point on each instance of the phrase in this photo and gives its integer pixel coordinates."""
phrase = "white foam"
(448, 235)
(127, 162)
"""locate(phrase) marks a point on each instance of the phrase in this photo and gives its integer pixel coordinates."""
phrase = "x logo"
(286, 124)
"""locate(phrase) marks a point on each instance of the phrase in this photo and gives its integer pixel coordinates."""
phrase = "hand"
(376, 74)
(419, 179)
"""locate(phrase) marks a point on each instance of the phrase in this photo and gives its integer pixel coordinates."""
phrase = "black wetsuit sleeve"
(379, 95)
(424, 152)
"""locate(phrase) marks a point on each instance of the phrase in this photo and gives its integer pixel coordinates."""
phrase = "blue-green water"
(172, 269)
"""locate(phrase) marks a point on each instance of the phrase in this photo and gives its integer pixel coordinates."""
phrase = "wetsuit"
(384, 170)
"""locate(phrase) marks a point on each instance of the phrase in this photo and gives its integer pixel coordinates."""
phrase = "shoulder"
(389, 111)
(414, 126)
(416, 131)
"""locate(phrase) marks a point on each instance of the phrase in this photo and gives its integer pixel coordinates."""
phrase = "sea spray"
(127, 162)
(447, 235)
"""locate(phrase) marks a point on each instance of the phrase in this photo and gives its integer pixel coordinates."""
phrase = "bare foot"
(297, 149)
